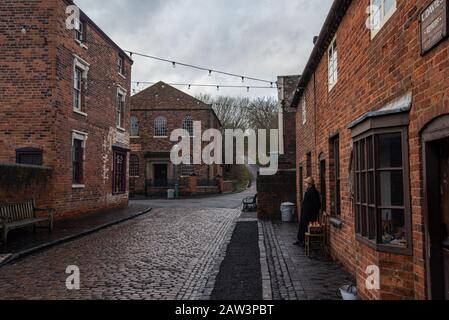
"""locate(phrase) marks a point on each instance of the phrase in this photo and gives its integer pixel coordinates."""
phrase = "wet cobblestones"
(167, 254)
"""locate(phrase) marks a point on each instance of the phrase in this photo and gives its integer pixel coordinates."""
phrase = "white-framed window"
(79, 140)
(380, 12)
(120, 109)
(134, 127)
(80, 72)
(121, 66)
(80, 31)
(160, 127)
(332, 64)
(187, 124)
(304, 110)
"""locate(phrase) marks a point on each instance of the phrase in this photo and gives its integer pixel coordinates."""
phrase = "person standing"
(310, 209)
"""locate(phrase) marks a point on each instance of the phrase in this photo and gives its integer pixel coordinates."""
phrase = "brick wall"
(272, 191)
(372, 73)
(38, 111)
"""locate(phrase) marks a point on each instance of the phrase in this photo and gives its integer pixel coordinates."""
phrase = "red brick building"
(373, 129)
(274, 190)
(65, 106)
(155, 113)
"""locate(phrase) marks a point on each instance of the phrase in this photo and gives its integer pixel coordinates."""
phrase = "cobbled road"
(168, 254)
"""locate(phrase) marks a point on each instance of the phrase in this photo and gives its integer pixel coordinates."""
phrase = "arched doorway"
(435, 139)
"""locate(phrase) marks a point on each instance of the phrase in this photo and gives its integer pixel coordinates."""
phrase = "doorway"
(160, 175)
(436, 153)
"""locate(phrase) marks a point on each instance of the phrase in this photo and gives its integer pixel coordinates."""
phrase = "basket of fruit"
(315, 228)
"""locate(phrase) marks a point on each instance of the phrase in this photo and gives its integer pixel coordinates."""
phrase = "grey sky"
(258, 38)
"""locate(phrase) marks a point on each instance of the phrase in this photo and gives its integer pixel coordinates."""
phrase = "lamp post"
(176, 150)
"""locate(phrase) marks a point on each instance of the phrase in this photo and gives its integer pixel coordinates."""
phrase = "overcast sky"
(257, 38)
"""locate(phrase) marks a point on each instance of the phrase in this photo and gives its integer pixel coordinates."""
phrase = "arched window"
(160, 127)
(134, 127)
(187, 125)
(134, 165)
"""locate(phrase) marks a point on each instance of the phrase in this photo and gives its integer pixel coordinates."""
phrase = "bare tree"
(232, 111)
(262, 113)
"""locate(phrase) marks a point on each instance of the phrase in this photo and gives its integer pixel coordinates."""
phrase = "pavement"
(23, 241)
(240, 276)
(192, 249)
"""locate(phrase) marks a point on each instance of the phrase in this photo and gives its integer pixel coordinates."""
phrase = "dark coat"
(310, 211)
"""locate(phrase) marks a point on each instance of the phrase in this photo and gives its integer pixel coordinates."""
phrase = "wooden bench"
(250, 203)
(21, 215)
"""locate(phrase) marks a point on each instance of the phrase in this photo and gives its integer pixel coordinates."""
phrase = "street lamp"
(176, 150)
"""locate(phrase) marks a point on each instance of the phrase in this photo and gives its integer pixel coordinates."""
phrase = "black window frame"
(119, 172)
(78, 147)
(323, 185)
(134, 166)
(365, 232)
(336, 175)
(30, 156)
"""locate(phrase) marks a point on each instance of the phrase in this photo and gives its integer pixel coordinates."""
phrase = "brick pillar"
(220, 183)
(193, 184)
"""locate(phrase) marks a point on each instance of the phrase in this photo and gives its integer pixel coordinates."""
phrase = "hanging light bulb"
(247, 89)
(174, 64)
(271, 83)
(210, 73)
(24, 30)
(189, 86)
(243, 79)
(218, 88)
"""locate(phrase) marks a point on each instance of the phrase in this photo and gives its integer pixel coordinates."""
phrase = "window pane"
(393, 227)
(364, 221)
(391, 188)
(357, 188)
(362, 155)
(388, 6)
(369, 152)
(390, 150)
(370, 188)
(372, 223)
(357, 219)
(363, 188)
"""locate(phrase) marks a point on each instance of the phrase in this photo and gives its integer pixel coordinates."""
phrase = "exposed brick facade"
(274, 190)
(36, 89)
(162, 100)
(373, 72)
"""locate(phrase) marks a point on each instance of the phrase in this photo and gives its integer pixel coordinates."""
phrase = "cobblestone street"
(166, 254)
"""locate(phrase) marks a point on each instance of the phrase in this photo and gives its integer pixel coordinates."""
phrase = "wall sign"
(434, 24)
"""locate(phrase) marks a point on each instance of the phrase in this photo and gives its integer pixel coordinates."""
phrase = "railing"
(163, 183)
(207, 183)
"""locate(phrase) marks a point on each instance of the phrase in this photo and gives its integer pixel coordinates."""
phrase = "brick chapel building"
(64, 109)
(155, 113)
(373, 129)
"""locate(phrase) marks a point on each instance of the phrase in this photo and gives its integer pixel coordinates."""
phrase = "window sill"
(375, 32)
(82, 45)
(331, 87)
(160, 137)
(336, 222)
(122, 130)
(384, 248)
(80, 113)
(122, 75)
(78, 186)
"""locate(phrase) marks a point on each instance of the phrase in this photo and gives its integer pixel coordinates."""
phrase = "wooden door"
(444, 210)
